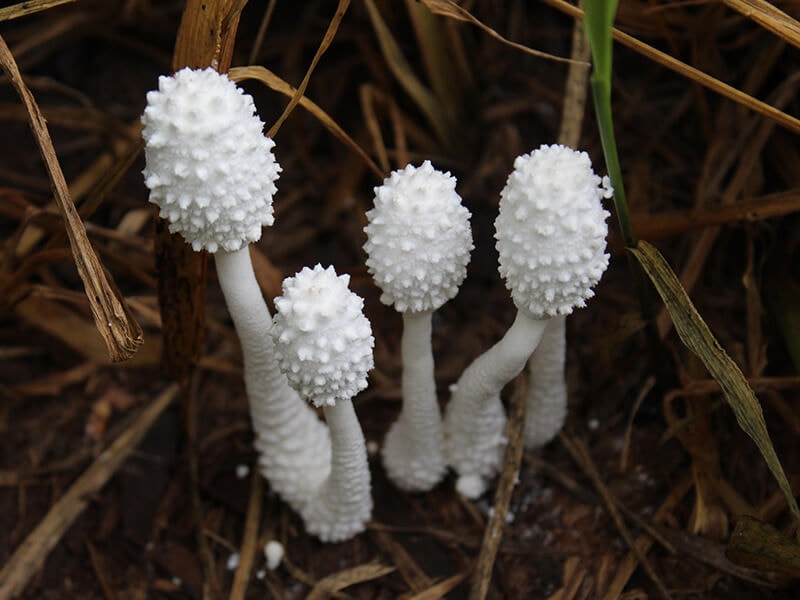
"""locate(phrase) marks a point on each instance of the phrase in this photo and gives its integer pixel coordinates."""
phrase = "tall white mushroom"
(418, 245)
(551, 238)
(212, 173)
(324, 344)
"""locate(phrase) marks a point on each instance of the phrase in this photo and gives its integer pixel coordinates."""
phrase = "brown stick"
(205, 39)
(250, 539)
(31, 554)
(505, 486)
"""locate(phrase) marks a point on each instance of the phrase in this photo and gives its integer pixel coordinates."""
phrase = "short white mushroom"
(212, 173)
(324, 345)
(418, 246)
(551, 238)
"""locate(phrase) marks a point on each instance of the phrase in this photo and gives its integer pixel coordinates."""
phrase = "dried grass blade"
(272, 81)
(330, 33)
(448, 8)
(23, 9)
(339, 581)
(698, 338)
(420, 94)
(441, 589)
(436, 52)
(784, 120)
(769, 17)
(120, 331)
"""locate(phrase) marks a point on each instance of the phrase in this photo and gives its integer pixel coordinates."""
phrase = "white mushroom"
(212, 173)
(551, 238)
(418, 245)
(324, 345)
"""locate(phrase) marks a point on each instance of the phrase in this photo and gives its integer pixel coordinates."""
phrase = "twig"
(31, 554)
(119, 330)
(505, 486)
(250, 539)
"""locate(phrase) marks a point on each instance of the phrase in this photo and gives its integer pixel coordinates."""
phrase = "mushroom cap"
(551, 231)
(209, 167)
(322, 338)
(418, 238)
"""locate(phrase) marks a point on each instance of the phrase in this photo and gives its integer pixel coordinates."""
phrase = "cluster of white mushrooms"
(211, 171)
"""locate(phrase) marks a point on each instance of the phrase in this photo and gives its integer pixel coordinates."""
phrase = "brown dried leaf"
(697, 337)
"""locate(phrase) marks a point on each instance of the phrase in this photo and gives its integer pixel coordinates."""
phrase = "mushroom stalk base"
(343, 504)
(475, 420)
(413, 452)
(293, 444)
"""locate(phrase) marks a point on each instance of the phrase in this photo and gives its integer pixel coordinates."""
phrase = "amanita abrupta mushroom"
(324, 345)
(212, 173)
(418, 245)
(551, 237)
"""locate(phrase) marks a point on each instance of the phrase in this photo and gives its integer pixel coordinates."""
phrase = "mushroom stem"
(547, 388)
(293, 444)
(342, 506)
(474, 421)
(413, 452)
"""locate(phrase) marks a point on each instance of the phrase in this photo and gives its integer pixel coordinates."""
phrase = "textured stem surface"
(343, 504)
(474, 422)
(293, 444)
(547, 388)
(413, 453)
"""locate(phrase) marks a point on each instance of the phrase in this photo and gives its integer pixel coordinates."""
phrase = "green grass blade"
(697, 337)
(598, 20)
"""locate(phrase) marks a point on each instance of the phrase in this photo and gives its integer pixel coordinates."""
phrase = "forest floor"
(118, 483)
